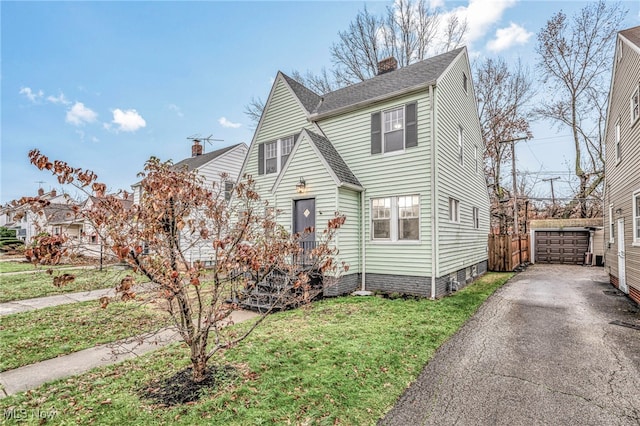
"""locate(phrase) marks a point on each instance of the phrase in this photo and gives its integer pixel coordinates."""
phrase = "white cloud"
(507, 37)
(60, 99)
(79, 114)
(30, 94)
(228, 124)
(127, 121)
(435, 4)
(480, 16)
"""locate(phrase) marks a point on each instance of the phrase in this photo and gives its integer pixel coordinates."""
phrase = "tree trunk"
(198, 361)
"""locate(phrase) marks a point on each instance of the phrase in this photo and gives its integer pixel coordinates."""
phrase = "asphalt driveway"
(541, 350)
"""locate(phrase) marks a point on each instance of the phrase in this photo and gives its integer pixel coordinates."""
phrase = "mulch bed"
(181, 389)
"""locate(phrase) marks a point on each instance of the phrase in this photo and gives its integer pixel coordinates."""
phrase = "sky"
(106, 85)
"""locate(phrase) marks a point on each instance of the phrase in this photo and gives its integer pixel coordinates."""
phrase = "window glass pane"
(271, 157)
(381, 228)
(394, 130)
(287, 144)
(394, 141)
(381, 215)
(409, 229)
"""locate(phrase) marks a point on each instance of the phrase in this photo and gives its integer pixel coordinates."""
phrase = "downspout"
(434, 204)
(363, 268)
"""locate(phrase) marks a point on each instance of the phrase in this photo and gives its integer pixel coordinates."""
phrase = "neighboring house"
(400, 155)
(622, 170)
(210, 166)
(25, 222)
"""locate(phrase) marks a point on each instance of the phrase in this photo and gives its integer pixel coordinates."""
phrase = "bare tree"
(410, 31)
(179, 210)
(502, 107)
(575, 57)
(254, 110)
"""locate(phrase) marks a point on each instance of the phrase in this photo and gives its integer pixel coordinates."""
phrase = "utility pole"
(516, 229)
(553, 196)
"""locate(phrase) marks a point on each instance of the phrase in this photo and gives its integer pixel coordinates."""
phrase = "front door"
(304, 219)
(622, 275)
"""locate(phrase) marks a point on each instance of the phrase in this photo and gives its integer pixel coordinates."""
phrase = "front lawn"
(15, 266)
(339, 361)
(34, 336)
(40, 283)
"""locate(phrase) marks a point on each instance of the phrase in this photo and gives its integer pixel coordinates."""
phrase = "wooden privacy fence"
(507, 252)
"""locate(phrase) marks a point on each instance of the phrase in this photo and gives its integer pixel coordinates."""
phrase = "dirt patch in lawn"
(181, 389)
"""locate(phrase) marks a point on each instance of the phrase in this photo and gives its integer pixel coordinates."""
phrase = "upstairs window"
(460, 146)
(617, 141)
(287, 146)
(394, 129)
(635, 105)
(465, 82)
(273, 155)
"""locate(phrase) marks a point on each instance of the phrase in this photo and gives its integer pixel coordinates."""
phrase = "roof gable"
(198, 161)
(328, 156)
(633, 36)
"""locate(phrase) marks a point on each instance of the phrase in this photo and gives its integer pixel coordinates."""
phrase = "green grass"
(339, 361)
(40, 284)
(34, 336)
(11, 266)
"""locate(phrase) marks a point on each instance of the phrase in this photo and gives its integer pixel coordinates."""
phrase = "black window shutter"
(261, 159)
(411, 126)
(376, 134)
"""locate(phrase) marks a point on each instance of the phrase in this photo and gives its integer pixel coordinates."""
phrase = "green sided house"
(400, 155)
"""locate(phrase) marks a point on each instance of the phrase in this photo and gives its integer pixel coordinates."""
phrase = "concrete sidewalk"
(34, 375)
(25, 305)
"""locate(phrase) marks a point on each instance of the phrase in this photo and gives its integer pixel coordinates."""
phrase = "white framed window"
(454, 210)
(381, 218)
(271, 157)
(476, 218)
(612, 228)
(619, 53)
(617, 140)
(395, 218)
(409, 217)
(393, 129)
(475, 156)
(460, 146)
(228, 190)
(286, 147)
(636, 218)
(635, 105)
(465, 82)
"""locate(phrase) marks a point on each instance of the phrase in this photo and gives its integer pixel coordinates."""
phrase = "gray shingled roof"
(193, 163)
(405, 78)
(335, 161)
(310, 100)
(632, 34)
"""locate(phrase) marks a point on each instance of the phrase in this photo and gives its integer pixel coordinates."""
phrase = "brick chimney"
(40, 192)
(196, 149)
(387, 65)
(53, 193)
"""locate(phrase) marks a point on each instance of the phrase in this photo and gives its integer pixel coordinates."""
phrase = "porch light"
(301, 186)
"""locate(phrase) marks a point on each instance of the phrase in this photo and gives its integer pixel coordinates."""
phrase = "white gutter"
(363, 268)
(434, 204)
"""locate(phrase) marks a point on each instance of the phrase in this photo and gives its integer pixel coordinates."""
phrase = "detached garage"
(566, 241)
